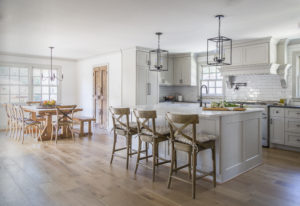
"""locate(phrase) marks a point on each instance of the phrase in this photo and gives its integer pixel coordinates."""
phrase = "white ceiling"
(84, 28)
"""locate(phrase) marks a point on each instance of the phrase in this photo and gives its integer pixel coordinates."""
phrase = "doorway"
(100, 96)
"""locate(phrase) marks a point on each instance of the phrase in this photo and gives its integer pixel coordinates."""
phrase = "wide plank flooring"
(80, 174)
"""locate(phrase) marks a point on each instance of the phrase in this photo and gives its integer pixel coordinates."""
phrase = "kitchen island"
(238, 146)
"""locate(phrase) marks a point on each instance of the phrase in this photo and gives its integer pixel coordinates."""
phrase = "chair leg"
(157, 155)
(213, 151)
(72, 133)
(56, 134)
(175, 161)
(194, 174)
(128, 151)
(190, 163)
(146, 146)
(154, 146)
(138, 155)
(172, 165)
(22, 130)
(114, 147)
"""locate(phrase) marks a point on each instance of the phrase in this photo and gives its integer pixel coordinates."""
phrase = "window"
(19, 84)
(211, 77)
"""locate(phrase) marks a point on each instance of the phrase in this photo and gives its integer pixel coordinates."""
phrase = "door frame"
(107, 87)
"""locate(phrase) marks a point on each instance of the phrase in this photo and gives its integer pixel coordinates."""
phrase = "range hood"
(276, 50)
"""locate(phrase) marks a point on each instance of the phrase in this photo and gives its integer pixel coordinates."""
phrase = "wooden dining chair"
(38, 117)
(8, 120)
(150, 133)
(26, 125)
(122, 127)
(186, 139)
(64, 119)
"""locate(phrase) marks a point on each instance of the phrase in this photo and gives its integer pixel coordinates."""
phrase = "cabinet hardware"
(298, 140)
(271, 121)
(264, 118)
(277, 112)
(298, 113)
(148, 88)
(298, 125)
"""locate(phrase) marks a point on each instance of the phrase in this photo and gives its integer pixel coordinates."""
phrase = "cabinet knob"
(277, 112)
(298, 140)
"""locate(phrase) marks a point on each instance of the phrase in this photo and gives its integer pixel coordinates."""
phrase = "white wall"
(69, 86)
(85, 80)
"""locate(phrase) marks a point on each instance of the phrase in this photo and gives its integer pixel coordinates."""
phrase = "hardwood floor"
(80, 174)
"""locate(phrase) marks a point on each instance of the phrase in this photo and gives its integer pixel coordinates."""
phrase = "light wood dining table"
(47, 113)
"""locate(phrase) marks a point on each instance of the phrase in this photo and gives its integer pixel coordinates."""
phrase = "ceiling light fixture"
(52, 74)
(159, 56)
(215, 47)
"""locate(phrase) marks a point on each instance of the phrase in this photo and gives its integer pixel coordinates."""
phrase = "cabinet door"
(256, 54)
(141, 85)
(177, 71)
(186, 70)
(277, 130)
(142, 58)
(166, 77)
(152, 97)
(237, 55)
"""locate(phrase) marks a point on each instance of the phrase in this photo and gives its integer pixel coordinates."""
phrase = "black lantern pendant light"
(52, 74)
(158, 57)
(216, 47)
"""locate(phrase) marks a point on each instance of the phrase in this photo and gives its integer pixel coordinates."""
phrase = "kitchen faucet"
(201, 93)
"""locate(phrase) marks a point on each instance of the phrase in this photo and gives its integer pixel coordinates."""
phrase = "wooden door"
(100, 96)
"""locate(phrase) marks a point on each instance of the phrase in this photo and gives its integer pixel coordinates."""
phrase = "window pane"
(37, 97)
(4, 99)
(23, 72)
(4, 71)
(53, 90)
(37, 90)
(36, 72)
(203, 91)
(4, 89)
(212, 69)
(23, 99)
(45, 97)
(24, 80)
(212, 84)
(36, 80)
(14, 89)
(205, 69)
(14, 80)
(219, 76)
(211, 90)
(205, 76)
(24, 91)
(4, 79)
(218, 90)
(14, 99)
(14, 71)
(45, 90)
(212, 76)
(218, 83)
(45, 81)
(45, 73)
(53, 97)
(53, 82)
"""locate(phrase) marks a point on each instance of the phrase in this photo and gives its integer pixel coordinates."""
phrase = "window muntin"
(212, 78)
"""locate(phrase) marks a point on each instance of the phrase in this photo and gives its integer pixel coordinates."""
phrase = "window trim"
(30, 68)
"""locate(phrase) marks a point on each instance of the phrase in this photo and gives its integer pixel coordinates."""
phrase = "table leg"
(46, 134)
(81, 133)
(90, 127)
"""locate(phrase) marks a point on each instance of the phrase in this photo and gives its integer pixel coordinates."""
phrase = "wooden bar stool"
(185, 138)
(148, 132)
(122, 127)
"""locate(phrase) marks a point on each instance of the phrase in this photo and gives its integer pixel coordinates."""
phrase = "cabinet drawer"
(277, 112)
(292, 125)
(292, 113)
(292, 139)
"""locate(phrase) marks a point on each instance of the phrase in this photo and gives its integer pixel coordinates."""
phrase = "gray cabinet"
(277, 130)
(185, 71)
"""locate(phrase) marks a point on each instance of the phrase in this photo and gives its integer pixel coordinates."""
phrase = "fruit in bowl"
(49, 103)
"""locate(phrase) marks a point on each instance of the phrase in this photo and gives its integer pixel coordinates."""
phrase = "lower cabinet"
(285, 126)
(277, 130)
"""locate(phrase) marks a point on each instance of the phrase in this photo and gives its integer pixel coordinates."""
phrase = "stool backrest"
(118, 115)
(179, 122)
(145, 118)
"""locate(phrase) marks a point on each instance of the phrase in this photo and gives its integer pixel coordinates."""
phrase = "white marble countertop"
(193, 109)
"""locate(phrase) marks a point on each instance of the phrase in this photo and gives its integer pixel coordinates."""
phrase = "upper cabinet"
(184, 70)
(166, 77)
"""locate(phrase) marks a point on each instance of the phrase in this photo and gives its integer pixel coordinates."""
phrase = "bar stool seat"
(159, 129)
(199, 137)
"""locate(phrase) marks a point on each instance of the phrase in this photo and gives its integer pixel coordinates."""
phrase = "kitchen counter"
(285, 106)
(238, 146)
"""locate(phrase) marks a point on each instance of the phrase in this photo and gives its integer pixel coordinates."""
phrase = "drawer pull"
(278, 112)
(298, 125)
(298, 113)
(298, 140)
